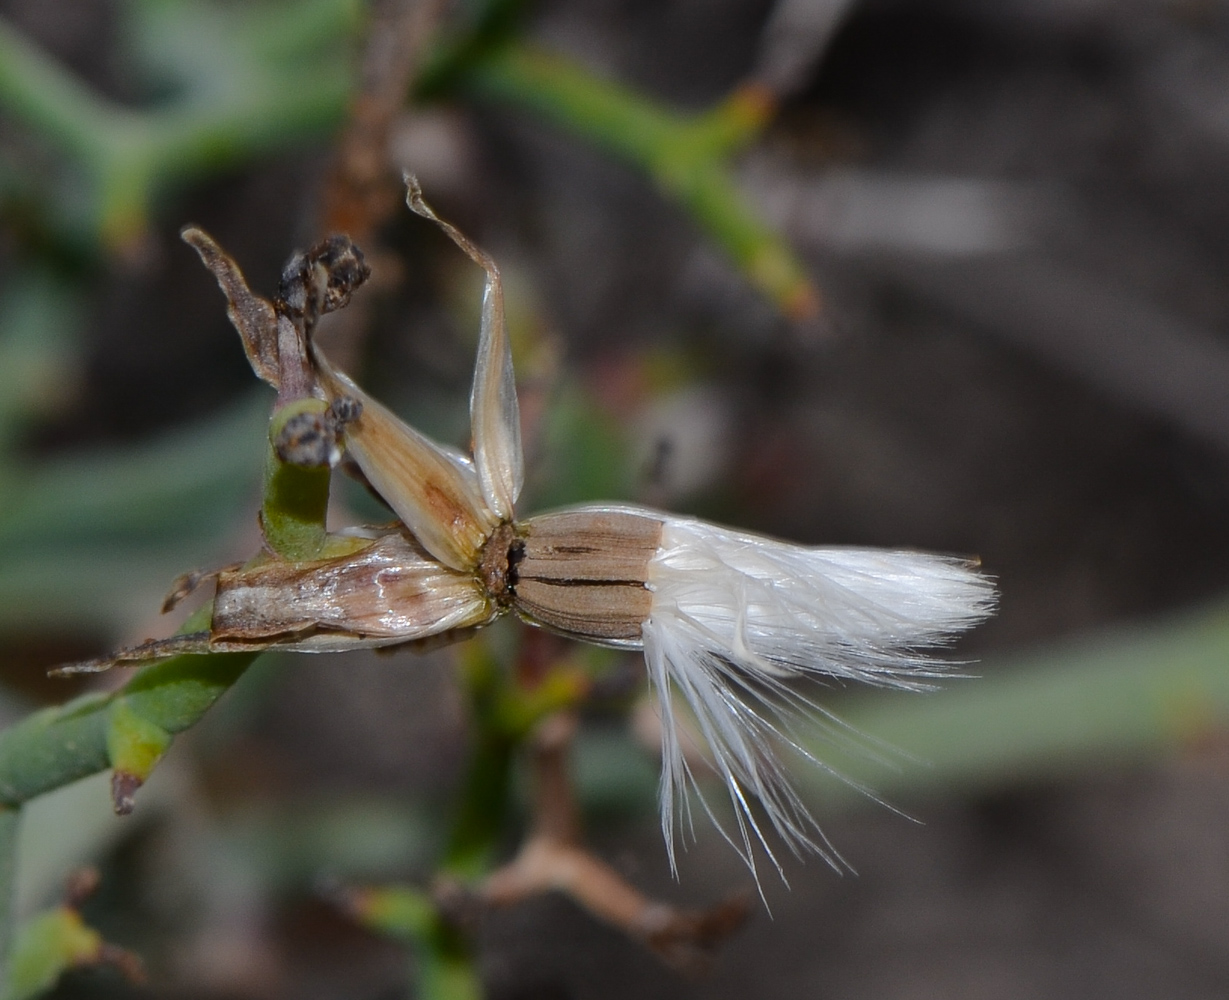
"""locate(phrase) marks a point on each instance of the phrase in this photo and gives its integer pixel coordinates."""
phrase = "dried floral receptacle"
(728, 620)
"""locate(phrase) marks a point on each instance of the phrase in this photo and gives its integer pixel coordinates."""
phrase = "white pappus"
(737, 617)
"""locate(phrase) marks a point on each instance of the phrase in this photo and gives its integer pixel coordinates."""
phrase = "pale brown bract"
(387, 593)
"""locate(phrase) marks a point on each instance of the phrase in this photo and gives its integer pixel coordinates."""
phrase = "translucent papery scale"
(450, 502)
(495, 418)
(388, 593)
(494, 411)
(433, 490)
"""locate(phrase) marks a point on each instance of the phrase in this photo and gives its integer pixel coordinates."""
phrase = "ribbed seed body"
(582, 572)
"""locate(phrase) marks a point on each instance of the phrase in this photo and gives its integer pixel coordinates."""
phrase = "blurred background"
(945, 275)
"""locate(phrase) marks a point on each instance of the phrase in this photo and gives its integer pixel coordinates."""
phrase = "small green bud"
(134, 746)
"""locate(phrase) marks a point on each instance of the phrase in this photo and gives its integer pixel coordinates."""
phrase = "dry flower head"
(729, 621)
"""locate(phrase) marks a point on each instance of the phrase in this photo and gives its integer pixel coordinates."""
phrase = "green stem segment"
(481, 808)
(442, 957)
(505, 713)
(130, 729)
(59, 745)
(685, 155)
(296, 497)
(10, 821)
(46, 947)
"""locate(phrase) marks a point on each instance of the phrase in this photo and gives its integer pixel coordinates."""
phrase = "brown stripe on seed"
(583, 572)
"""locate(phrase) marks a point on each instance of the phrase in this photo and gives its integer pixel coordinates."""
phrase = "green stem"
(264, 102)
(505, 713)
(296, 498)
(443, 957)
(128, 153)
(62, 744)
(482, 807)
(685, 155)
(445, 965)
(1139, 694)
(10, 820)
(35, 88)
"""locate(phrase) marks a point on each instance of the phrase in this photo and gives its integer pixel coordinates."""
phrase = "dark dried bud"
(344, 410)
(498, 561)
(344, 267)
(124, 787)
(321, 280)
(307, 440)
(292, 289)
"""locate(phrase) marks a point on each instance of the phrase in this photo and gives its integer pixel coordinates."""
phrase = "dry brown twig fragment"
(361, 189)
(554, 860)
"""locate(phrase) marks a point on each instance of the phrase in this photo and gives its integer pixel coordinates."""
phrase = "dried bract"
(387, 593)
(251, 315)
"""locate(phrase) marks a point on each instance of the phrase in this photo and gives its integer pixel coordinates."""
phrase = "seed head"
(730, 622)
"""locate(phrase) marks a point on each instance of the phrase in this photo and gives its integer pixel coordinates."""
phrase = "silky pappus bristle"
(737, 618)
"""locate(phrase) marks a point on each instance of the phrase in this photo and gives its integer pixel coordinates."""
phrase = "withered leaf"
(251, 315)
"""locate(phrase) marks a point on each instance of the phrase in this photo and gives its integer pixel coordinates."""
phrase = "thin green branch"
(51, 943)
(131, 728)
(10, 821)
(443, 959)
(66, 111)
(505, 712)
(296, 498)
(1137, 694)
(245, 85)
(686, 155)
(62, 744)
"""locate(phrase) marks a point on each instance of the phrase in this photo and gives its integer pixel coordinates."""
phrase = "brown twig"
(362, 188)
(553, 859)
